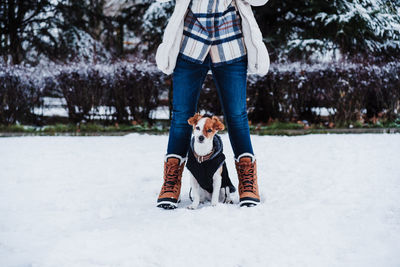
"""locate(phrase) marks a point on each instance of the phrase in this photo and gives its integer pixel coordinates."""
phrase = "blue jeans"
(230, 80)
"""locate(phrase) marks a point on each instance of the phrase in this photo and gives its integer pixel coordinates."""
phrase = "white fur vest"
(257, 54)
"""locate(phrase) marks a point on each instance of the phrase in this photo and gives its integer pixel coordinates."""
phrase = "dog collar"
(201, 159)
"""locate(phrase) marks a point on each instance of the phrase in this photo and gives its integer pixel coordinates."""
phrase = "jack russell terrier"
(209, 177)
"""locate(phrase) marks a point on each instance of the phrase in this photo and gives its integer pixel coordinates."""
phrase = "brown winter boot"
(247, 173)
(171, 188)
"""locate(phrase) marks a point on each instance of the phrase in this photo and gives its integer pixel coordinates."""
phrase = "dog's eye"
(209, 130)
(197, 128)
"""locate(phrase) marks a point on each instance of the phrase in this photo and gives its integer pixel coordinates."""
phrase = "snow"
(327, 200)
(54, 106)
(377, 21)
(57, 107)
(156, 12)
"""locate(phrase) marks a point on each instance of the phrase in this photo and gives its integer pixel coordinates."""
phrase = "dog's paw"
(192, 207)
(228, 201)
(214, 204)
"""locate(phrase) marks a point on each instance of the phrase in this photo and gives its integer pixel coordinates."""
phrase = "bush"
(82, 90)
(18, 97)
(133, 92)
(353, 92)
(129, 91)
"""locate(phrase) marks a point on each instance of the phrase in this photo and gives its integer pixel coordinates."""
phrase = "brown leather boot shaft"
(171, 187)
(247, 174)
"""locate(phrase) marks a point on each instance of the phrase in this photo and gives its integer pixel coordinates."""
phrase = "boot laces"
(171, 177)
(246, 171)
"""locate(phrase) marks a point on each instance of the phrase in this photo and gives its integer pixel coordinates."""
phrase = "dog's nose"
(201, 138)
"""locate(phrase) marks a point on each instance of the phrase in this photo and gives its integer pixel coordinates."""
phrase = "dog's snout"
(201, 138)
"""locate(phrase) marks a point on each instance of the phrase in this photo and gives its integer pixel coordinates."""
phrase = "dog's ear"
(193, 120)
(218, 125)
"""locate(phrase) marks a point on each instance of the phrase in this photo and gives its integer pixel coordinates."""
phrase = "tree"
(82, 23)
(21, 21)
(144, 20)
(305, 29)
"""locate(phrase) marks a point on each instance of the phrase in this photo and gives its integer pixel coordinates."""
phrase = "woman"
(221, 36)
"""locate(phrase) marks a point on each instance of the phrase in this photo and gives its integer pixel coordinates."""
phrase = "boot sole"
(249, 202)
(167, 203)
(167, 206)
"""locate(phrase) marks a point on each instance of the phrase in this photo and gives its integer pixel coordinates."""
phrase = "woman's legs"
(187, 80)
(231, 83)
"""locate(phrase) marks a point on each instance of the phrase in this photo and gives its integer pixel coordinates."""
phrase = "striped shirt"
(212, 26)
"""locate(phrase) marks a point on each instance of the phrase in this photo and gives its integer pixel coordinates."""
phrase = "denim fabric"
(230, 80)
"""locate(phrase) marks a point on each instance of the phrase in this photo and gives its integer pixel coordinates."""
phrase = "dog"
(209, 178)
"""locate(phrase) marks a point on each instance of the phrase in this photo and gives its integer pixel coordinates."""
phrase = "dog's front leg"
(195, 192)
(225, 195)
(217, 179)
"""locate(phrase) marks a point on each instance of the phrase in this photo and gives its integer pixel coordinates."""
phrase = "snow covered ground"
(54, 106)
(327, 200)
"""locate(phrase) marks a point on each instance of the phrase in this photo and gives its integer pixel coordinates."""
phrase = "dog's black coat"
(203, 172)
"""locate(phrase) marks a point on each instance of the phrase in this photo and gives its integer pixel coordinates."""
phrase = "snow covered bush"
(209, 99)
(134, 92)
(82, 90)
(350, 92)
(127, 91)
(18, 96)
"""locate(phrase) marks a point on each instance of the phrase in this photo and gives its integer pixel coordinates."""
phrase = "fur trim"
(247, 154)
(181, 159)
